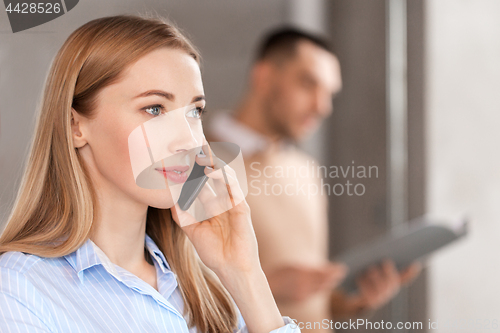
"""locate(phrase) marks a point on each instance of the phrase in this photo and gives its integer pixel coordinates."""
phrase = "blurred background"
(418, 101)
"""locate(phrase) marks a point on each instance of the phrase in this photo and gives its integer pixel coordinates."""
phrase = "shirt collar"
(89, 254)
(157, 254)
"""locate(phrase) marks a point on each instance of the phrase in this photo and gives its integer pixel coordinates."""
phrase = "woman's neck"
(120, 229)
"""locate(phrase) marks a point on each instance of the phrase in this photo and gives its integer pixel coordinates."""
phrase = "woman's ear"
(76, 129)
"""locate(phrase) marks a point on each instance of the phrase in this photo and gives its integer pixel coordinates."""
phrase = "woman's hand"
(226, 244)
(227, 240)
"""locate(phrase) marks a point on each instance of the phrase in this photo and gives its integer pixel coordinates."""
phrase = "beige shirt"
(289, 213)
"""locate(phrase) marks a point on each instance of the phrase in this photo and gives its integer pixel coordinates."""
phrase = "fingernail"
(209, 168)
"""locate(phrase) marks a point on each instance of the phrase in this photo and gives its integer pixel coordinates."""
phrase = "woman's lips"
(176, 174)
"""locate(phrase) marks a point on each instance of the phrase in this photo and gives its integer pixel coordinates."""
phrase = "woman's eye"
(196, 112)
(154, 110)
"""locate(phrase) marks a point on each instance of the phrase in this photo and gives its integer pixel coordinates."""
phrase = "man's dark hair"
(281, 44)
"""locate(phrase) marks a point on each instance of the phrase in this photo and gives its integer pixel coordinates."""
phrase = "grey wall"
(463, 118)
(358, 125)
(358, 131)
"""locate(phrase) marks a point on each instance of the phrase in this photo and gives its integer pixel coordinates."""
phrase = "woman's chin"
(164, 203)
(161, 199)
(161, 206)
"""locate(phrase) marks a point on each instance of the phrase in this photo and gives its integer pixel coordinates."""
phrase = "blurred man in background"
(292, 84)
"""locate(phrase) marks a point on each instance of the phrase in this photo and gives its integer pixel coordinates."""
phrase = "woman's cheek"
(124, 153)
(115, 152)
(199, 134)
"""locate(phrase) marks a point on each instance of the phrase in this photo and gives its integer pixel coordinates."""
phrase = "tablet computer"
(413, 241)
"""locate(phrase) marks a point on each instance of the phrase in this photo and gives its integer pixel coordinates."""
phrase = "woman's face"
(158, 83)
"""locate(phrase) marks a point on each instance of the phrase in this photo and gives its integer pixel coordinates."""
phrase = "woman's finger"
(208, 158)
(228, 186)
(182, 218)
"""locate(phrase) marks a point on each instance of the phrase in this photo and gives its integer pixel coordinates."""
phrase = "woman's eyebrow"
(198, 98)
(161, 93)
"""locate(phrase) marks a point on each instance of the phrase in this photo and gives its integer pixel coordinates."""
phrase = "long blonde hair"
(56, 204)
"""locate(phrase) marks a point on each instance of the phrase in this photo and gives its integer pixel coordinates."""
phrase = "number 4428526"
(32, 8)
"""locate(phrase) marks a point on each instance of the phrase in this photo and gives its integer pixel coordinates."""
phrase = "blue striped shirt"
(85, 292)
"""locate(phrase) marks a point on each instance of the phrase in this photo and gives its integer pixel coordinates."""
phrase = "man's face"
(301, 91)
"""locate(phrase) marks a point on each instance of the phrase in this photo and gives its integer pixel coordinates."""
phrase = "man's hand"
(377, 286)
(380, 284)
(297, 283)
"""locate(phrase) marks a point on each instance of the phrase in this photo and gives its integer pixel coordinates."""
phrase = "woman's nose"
(184, 136)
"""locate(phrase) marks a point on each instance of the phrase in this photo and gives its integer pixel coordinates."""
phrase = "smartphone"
(192, 186)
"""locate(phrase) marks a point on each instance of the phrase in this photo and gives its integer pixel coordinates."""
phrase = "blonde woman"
(87, 250)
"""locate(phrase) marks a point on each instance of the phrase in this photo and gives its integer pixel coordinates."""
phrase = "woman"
(86, 249)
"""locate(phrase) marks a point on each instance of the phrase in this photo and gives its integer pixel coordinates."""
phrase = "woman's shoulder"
(22, 272)
(20, 293)
(19, 262)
